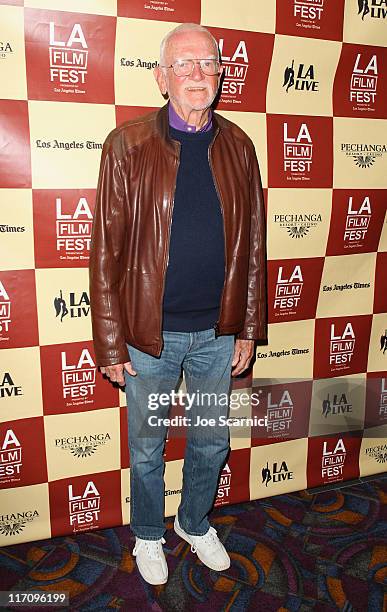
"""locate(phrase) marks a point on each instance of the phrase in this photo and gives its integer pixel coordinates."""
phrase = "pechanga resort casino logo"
(377, 452)
(74, 306)
(13, 523)
(376, 9)
(5, 49)
(364, 155)
(301, 78)
(82, 446)
(298, 225)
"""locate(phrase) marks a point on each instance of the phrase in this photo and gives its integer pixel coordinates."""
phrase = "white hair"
(186, 27)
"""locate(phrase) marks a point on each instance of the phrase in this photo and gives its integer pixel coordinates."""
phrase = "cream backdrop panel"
(240, 409)
(286, 337)
(25, 511)
(373, 451)
(173, 478)
(350, 131)
(125, 495)
(17, 247)
(70, 123)
(314, 202)
(254, 124)
(68, 451)
(367, 31)
(49, 284)
(253, 15)
(377, 361)
(322, 55)
(354, 272)
(95, 7)
(23, 368)
(138, 41)
(14, 62)
(293, 453)
(344, 415)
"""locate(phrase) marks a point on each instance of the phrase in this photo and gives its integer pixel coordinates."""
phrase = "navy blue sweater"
(195, 272)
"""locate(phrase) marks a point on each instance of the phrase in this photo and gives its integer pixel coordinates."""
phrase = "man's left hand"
(243, 352)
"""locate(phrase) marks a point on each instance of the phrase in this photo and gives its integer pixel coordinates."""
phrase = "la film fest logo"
(13, 523)
(5, 49)
(377, 9)
(78, 379)
(235, 65)
(335, 405)
(84, 508)
(377, 452)
(73, 230)
(82, 446)
(302, 79)
(5, 313)
(224, 486)
(279, 414)
(357, 221)
(298, 151)
(277, 472)
(8, 388)
(309, 10)
(364, 81)
(68, 59)
(342, 345)
(76, 305)
(364, 155)
(10, 457)
(333, 459)
(298, 225)
(288, 290)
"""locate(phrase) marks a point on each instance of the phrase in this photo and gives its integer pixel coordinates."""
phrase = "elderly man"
(177, 283)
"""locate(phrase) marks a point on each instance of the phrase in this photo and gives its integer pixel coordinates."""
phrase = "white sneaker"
(151, 561)
(208, 547)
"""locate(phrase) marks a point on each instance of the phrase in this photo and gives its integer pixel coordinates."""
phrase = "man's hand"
(243, 352)
(116, 372)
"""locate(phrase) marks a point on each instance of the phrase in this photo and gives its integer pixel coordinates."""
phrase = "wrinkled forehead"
(190, 45)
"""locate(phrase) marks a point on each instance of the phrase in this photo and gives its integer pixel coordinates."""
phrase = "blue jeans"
(206, 362)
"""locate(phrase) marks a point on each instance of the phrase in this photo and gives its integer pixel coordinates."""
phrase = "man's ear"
(159, 75)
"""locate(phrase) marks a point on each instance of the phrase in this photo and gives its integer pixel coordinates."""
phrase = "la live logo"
(342, 345)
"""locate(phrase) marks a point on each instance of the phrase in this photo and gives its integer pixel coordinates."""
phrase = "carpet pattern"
(323, 551)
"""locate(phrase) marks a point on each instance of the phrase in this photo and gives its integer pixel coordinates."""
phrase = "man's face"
(194, 92)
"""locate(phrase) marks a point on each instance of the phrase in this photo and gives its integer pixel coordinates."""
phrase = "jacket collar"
(162, 126)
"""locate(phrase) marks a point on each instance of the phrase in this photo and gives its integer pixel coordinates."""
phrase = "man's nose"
(197, 74)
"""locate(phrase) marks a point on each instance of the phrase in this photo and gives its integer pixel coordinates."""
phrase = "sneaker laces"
(209, 539)
(153, 548)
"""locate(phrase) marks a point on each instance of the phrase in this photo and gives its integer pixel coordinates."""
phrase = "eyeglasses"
(186, 67)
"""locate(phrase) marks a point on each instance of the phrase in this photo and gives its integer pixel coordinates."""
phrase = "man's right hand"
(116, 372)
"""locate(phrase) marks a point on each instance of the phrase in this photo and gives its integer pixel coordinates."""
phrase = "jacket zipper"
(166, 256)
(216, 327)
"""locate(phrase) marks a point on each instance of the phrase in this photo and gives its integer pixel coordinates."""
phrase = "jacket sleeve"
(107, 240)
(255, 325)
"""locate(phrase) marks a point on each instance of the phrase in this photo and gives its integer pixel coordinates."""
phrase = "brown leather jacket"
(131, 229)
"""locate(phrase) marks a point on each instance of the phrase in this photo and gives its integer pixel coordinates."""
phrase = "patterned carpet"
(325, 551)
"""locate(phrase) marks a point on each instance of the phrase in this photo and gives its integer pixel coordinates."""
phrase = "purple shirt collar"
(178, 123)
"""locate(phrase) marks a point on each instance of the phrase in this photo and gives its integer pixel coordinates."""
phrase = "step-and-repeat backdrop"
(307, 80)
